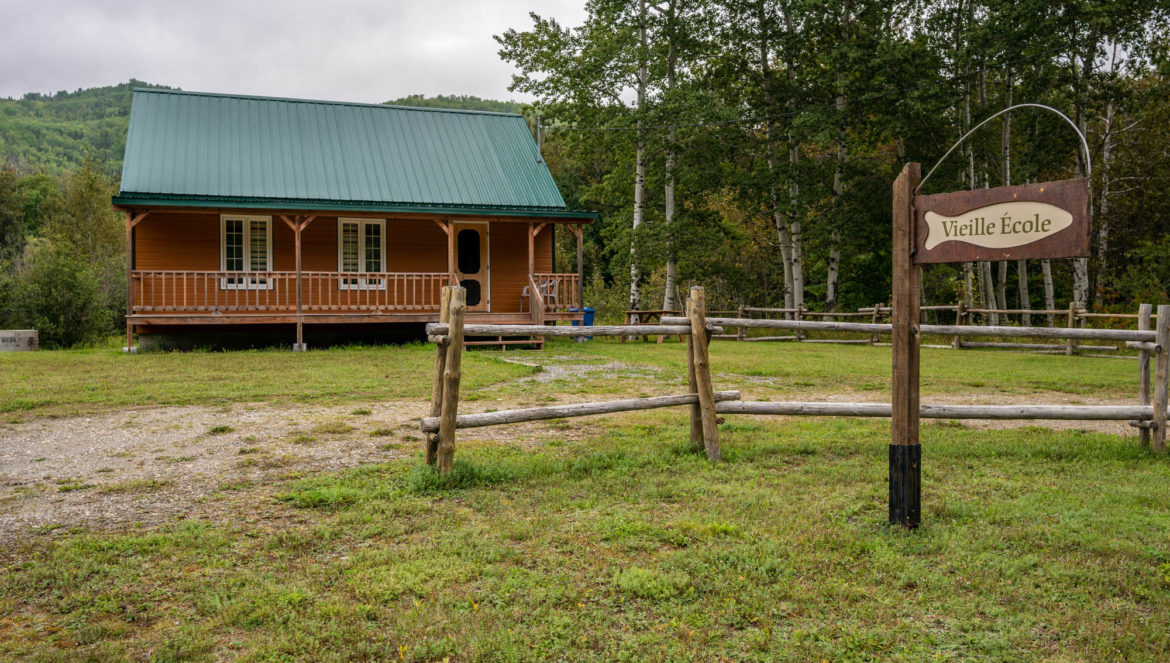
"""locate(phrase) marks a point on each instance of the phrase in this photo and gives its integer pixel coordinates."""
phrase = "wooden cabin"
(255, 214)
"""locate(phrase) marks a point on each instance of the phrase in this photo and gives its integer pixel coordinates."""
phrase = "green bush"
(60, 296)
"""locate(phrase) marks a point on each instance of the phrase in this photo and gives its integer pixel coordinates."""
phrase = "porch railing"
(200, 291)
(389, 291)
(560, 291)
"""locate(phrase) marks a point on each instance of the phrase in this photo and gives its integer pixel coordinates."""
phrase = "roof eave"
(140, 200)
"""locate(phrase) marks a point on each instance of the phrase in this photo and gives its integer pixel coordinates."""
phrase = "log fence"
(444, 419)
(1149, 415)
(440, 426)
(1075, 317)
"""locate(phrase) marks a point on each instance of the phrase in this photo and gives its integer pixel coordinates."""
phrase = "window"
(245, 246)
(361, 249)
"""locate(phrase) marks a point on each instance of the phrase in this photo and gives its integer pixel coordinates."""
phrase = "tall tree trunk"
(795, 226)
(1103, 215)
(779, 217)
(793, 218)
(989, 290)
(1049, 291)
(969, 175)
(640, 167)
(968, 285)
(1001, 285)
(1006, 156)
(834, 266)
(1081, 265)
(1024, 300)
(670, 297)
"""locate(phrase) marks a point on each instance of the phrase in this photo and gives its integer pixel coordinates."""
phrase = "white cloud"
(352, 50)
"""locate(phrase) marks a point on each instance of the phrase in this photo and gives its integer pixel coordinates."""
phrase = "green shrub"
(60, 296)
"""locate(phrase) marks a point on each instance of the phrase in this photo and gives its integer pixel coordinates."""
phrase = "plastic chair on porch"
(548, 292)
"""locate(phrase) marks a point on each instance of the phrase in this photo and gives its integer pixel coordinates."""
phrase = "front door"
(472, 263)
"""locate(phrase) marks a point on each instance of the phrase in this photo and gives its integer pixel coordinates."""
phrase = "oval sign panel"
(1049, 220)
(999, 226)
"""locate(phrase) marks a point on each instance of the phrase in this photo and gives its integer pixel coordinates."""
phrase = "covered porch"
(308, 268)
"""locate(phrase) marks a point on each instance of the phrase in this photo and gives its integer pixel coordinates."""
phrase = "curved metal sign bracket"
(1084, 143)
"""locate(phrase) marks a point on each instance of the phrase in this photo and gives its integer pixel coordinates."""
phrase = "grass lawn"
(627, 545)
(54, 383)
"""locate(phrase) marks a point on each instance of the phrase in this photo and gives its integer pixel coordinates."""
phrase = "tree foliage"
(786, 121)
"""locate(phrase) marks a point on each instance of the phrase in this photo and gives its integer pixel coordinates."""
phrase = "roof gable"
(196, 145)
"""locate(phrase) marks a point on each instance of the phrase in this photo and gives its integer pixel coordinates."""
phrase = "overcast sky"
(344, 50)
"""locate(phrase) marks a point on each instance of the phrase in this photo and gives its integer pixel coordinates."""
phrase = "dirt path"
(152, 465)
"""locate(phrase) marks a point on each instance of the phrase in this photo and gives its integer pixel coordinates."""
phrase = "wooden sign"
(18, 340)
(1049, 220)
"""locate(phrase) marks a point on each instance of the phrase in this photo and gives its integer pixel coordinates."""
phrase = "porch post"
(531, 251)
(129, 281)
(132, 220)
(580, 232)
(300, 346)
(451, 252)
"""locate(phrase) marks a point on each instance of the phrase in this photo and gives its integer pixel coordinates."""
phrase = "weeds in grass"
(361, 412)
(652, 584)
(381, 432)
(333, 428)
(301, 437)
(330, 497)
(135, 486)
(221, 429)
(71, 485)
(463, 474)
(239, 484)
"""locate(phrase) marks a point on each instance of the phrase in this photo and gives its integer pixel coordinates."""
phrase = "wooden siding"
(509, 258)
(190, 241)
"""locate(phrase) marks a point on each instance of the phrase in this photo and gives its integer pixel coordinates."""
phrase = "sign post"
(905, 451)
(1049, 220)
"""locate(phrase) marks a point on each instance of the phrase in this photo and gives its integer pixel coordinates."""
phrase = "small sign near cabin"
(1049, 220)
(18, 340)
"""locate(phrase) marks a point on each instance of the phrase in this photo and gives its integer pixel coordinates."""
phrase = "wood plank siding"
(176, 267)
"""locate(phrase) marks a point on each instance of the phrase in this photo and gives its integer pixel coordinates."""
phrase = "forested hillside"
(53, 133)
(460, 101)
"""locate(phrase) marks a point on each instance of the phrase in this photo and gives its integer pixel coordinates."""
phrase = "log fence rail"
(1149, 414)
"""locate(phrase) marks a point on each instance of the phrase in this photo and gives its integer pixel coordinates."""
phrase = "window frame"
(345, 282)
(245, 283)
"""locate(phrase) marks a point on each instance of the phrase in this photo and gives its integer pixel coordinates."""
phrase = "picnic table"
(650, 318)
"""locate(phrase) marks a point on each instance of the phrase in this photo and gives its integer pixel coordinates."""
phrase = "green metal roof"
(189, 148)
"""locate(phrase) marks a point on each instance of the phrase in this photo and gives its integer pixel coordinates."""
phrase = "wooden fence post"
(957, 341)
(1144, 311)
(1161, 379)
(1070, 346)
(440, 365)
(905, 495)
(875, 318)
(799, 315)
(706, 391)
(740, 333)
(452, 373)
(692, 382)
